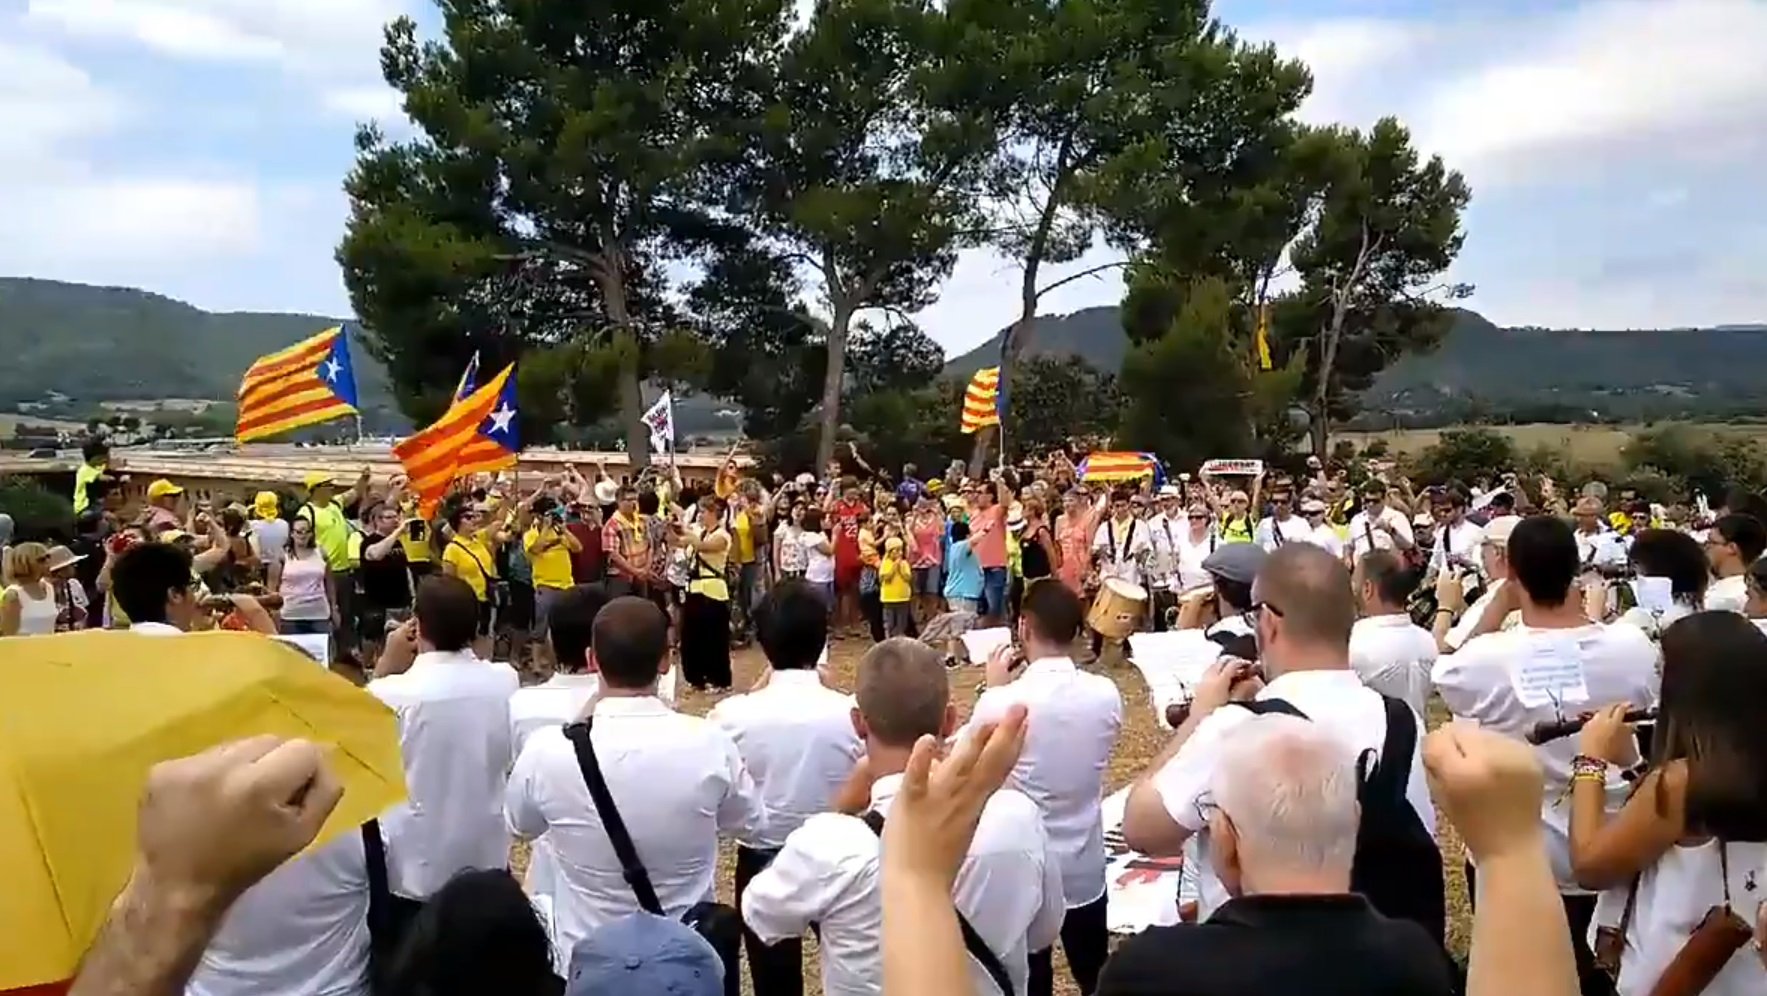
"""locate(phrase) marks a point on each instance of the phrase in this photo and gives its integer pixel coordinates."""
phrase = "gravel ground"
(1141, 739)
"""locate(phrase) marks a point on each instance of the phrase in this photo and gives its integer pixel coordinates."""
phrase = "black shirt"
(1282, 946)
(385, 582)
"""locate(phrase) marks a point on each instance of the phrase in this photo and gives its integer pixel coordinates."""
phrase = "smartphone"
(414, 529)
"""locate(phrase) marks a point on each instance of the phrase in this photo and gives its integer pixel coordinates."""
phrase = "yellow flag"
(83, 716)
(1263, 338)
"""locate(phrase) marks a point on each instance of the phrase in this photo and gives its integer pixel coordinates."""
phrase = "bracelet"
(1584, 766)
(1444, 612)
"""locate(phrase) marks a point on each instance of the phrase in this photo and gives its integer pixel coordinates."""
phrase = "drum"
(1118, 609)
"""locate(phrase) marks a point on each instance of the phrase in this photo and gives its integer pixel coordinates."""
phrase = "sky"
(196, 147)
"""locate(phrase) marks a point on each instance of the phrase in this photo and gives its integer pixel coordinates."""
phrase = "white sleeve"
(521, 804)
(797, 888)
(1184, 781)
(742, 814)
(1046, 928)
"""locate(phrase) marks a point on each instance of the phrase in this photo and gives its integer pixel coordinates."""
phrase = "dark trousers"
(705, 642)
(1085, 937)
(778, 969)
(871, 603)
(1579, 910)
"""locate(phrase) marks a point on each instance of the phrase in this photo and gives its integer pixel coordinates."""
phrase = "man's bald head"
(903, 693)
(1309, 590)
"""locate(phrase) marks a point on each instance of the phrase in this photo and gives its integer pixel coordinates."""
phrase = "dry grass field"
(1140, 740)
(1586, 444)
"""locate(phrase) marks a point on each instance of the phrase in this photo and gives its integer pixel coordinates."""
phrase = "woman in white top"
(1664, 557)
(788, 546)
(304, 583)
(818, 555)
(1193, 546)
(1685, 848)
(27, 606)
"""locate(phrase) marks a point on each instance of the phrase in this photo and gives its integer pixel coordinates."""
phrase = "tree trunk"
(612, 277)
(832, 382)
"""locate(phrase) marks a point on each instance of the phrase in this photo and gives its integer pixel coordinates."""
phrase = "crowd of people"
(1603, 672)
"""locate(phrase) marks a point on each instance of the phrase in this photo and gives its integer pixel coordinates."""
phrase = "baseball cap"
(163, 488)
(1238, 562)
(1498, 530)
(645, 953)
(1168, 491)
(1312, 506)
(606, 492)
(318, 479)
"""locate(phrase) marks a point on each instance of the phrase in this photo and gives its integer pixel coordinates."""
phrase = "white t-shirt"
(1478, 682)
(1673, 897)
(1190, 556)
(1393, 656)
(1365, 537)
(1272, 534)
(1326, 538)
(1121, 548)
(1729, 594)
(818, 566)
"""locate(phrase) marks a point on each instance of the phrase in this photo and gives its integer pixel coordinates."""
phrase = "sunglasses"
(1199, 516)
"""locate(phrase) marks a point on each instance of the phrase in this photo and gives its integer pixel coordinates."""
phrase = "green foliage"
(1189, 389)
(37, 513)
(1053, 399)
(1706, 462)
(1463, 455)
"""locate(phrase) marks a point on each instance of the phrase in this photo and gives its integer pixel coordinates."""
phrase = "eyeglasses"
(1261, 606)
(1199, 516)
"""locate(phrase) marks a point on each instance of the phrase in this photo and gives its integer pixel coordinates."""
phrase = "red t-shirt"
(846, 532)
(987, 536)
(586, 563)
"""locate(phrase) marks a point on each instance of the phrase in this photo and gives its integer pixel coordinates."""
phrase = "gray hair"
(1289, 786)
(5, 529)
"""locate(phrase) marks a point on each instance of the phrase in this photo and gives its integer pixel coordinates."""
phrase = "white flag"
(660, 419)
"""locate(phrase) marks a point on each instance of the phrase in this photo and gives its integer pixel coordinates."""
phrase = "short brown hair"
(1310, 589)
(902, 691)
(1052, 610)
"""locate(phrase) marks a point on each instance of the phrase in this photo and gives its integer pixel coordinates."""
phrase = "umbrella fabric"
(83, 716)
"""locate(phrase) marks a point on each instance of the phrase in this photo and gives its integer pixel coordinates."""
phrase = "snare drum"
(1118, 609)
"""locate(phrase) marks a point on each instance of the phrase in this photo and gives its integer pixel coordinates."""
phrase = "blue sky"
(195, 147)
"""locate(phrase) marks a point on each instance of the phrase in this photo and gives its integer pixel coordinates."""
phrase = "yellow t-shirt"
(1236, 530)
(745, 538)
(460, 553)
(895, 581)
(84, 476)
(416, 551)
(552, 567)
(331, 533)
(707, 574)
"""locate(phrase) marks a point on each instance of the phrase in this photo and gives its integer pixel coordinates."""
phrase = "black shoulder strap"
(1393, 769)
(617, 835)
(972, 941)
(380, 894)
(1266, 707)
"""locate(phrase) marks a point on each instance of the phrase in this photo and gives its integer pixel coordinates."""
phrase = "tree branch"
(1090, 271)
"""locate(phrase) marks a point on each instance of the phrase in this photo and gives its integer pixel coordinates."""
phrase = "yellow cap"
(162, 488)
(319, 479)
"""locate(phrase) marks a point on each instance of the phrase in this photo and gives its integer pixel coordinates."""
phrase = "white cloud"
(47, 103)
(364, 103)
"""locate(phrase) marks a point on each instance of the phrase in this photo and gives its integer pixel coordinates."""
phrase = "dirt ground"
(1141, 739)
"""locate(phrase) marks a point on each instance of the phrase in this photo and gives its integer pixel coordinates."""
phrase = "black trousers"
(871, 603)
(705, 642)
(1085, 937)
(1579, 910)
(778, 969)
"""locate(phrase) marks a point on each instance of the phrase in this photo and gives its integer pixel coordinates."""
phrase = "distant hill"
(98, 344)
(1487, 372)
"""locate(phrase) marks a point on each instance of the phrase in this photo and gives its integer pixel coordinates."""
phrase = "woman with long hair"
(1676, 560)
(819, 556)
(705, 612)
(27, 605)
(305, 584)
(1684, 857)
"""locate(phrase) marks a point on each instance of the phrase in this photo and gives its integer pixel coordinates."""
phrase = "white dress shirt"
(1336, 700)
(1122, 548)
(797, 741)
(1326, 538)
(560, 699)
(1462, 630)
(1074, 720)
(1164, 534)
(678, 782)
(453, 711)
(1619, 665)
(1008, 888)
(1459, 540)
(301, 929)
(1602, 548)
(1729, 594)
(1273, 533)
(1393, 656)
(1365, 537)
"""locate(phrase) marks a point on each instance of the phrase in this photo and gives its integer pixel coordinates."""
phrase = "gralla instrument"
(1118, 609)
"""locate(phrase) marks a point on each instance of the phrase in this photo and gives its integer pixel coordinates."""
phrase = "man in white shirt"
(560, 699)
(1167, 529)
(1457, 538)
(1075, 718)
(797, 740)
(1733, 543)
(678, 782)
(1389, 652)
(1282, 525)
(1508, 682)
(1122, 544)
(1494, 609)
(1378, 526)
(453, 711)
(1304, 617)
(1598, 546)
(1009, 887)
(1320, 533)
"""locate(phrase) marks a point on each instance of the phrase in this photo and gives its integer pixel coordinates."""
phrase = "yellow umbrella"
(83, 716)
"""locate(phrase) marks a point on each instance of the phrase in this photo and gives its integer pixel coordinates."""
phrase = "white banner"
(1233, 468)
(660, 419)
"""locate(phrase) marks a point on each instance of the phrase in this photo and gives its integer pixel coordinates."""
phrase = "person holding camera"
(550, 548)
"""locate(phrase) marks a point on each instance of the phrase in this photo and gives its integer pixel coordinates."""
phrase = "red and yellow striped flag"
(307, 383)
(981, 401)
(436, 456)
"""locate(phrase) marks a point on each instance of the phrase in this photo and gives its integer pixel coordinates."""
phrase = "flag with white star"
(310, 382)
(476, 433)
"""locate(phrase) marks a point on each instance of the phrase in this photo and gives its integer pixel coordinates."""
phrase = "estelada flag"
(307, 383)
(981, 402)
(476, 424)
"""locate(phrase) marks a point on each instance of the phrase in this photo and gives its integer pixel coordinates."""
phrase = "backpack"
(1398, 866)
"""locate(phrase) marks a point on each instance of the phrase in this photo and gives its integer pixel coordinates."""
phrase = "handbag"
(718, 923)
(972, 940)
